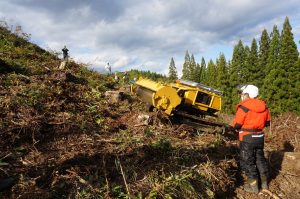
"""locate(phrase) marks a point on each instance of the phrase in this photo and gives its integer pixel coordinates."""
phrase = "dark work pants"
(252, 159)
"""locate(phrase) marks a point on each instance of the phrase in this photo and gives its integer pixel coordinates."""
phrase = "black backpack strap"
(245, 109)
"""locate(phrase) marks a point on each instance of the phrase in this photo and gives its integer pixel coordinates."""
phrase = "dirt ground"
(130, 147)
(61, 137)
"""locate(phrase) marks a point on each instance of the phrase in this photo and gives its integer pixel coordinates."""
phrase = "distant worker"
(251, 117)
(65, 53)
(133, 81)
(125, 77)
(108, 68)
(116, 77)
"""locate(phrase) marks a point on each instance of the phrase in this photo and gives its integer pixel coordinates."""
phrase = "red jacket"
(251, 117)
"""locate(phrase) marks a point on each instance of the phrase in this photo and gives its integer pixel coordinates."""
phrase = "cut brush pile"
(62, 138)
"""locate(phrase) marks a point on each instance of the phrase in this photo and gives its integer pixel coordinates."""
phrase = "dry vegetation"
(62, 138)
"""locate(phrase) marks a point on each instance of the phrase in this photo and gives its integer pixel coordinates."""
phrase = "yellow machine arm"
(186, 96)
(159, 95)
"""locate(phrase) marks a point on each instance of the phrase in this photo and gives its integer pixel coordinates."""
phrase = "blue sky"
(146, 34)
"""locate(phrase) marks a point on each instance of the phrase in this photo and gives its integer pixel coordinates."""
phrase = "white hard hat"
(250, 89)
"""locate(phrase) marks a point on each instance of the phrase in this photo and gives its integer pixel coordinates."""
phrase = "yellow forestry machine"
(186, 99)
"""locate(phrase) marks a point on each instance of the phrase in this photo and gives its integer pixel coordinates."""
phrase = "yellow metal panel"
(145, 94)
(163, 97)
(146, 83)
(166, 98)
(216, 103)
(190, 97)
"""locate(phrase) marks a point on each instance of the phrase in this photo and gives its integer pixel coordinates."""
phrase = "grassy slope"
(61, 138)
(64, 138)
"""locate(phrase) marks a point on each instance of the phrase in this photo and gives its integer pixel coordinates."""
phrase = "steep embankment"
(61, 138)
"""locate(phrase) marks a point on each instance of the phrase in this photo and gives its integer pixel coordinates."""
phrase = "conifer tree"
(235, 75)
(237, 64)
(245, 70)
(197, 73)
(297, 88)
(211, 74)
(283, 81)
(273, 59)
(254, 69)
(186, 64)
(222, 78)
(172, 70)
(274, 49)
(203, 71)
(192, 68)
(262, 58)
(223, 81)
(288, 58)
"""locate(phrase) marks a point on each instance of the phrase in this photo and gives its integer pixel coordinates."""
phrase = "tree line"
(272, 64)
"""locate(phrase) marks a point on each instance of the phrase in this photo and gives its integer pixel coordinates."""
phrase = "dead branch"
(285, 123)
(9, 154)
(4, 171)
(270, 193)
(124, 178)
(105, 175)
(138, 125)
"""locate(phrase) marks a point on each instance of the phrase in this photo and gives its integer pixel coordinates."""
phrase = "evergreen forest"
(271, 63)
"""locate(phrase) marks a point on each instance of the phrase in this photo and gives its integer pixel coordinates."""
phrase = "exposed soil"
(51, 156)
(60, 137)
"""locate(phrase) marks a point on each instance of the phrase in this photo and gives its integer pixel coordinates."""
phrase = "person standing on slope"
(252, 115)
(65, 53)
(108, 68)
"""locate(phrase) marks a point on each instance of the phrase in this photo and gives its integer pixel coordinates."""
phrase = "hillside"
(62, 138)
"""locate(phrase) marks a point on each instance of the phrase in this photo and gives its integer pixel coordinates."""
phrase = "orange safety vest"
(251, 117)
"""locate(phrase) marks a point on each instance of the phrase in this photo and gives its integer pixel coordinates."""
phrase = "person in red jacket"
(252, 115)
